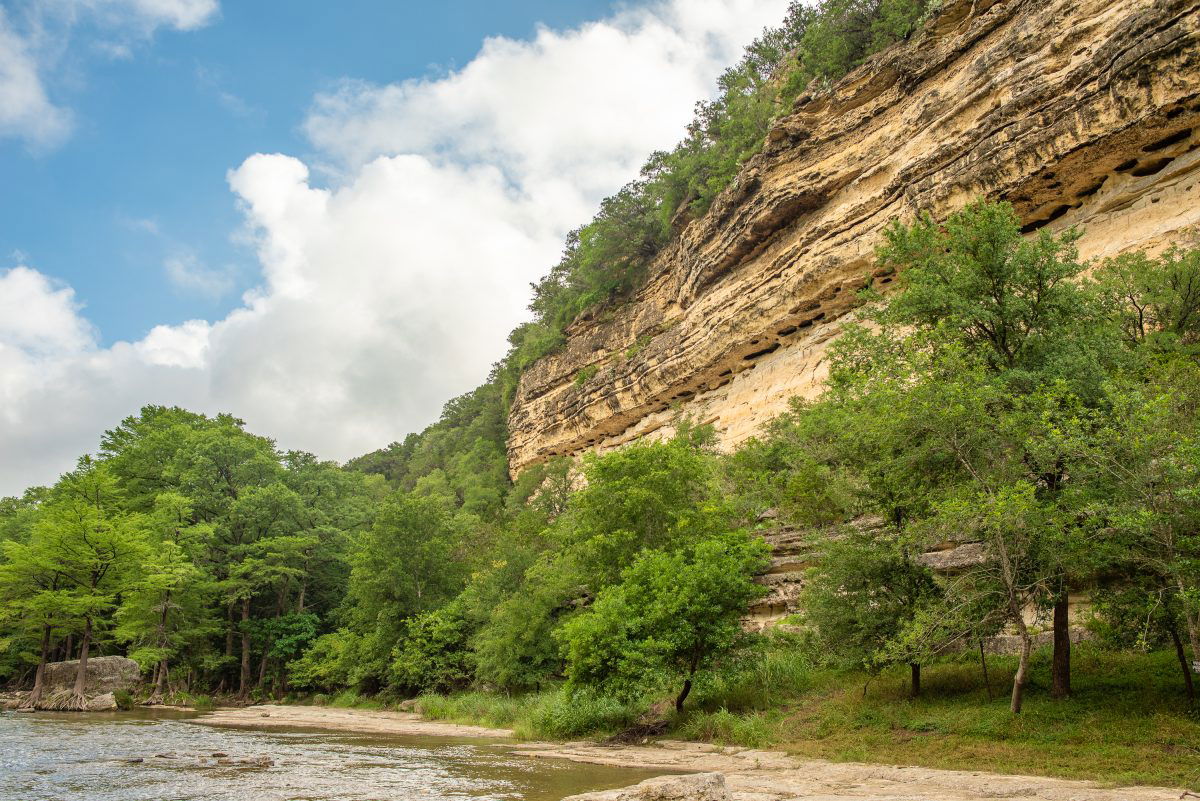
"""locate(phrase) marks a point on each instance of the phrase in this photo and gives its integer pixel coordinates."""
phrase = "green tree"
(672, 616)
(859, 598)
(94, 547)
(166, 609)
(405, 565)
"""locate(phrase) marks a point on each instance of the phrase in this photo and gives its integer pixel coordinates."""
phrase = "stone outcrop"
(105, 674)
(1078, 112)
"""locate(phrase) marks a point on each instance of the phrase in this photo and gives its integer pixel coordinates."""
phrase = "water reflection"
(66, 757)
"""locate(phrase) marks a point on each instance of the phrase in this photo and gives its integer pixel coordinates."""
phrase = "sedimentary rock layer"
(1079, 112)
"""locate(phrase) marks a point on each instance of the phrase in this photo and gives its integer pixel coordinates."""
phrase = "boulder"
(697, 787)
(105, 674)
(105, 702)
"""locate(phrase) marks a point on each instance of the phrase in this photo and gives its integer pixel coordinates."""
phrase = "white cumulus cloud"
(25, 110)
(390, 287)
(30, 50)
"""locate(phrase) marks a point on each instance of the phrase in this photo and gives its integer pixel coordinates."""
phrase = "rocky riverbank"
(714, 773)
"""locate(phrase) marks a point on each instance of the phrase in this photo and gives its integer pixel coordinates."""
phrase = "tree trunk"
(68, 646)
(687, 688)
(39, 678)
(262, 666)
(987, 682)
(1060, 666)
(1189, 617)
(1018, 690)
(1183, 662)
(915, 671)
(244, 684)
(84, 645)
(161, 689)
(228, 650)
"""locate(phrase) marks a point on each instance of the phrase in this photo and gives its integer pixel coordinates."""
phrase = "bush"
(564, 714)
(124, 699)
(435, 655)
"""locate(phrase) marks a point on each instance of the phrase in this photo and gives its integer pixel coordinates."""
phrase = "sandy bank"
(363, 721)
(752, 775)
(749, 774)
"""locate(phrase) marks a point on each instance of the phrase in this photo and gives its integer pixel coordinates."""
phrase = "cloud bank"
(390, 287)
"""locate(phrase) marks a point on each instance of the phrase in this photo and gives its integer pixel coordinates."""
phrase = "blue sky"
(141, 180)
(321, 217)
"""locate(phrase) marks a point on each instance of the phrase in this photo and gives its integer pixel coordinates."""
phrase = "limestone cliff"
(1078, 112)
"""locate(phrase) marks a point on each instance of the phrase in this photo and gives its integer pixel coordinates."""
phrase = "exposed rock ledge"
(1077, 111)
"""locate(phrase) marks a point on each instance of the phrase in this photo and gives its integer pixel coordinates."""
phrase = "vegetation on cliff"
(608, 257)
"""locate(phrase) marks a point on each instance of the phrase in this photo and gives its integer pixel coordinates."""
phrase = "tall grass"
(1126, 723)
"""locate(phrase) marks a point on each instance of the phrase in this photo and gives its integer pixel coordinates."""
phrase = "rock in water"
(101, 703)
(698, 787)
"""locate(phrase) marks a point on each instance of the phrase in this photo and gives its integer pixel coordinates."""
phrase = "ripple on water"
(65, 757)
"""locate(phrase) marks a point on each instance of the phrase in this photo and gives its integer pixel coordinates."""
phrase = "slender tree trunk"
(1060, 666)
(161, 685)
(1018, 616)
(683, 694)
(1022, 676)
(915, 672)
(228, 650)
(987, 682)
(1189, 617)
(68, 647)
(244, 683)
(39, 678)
(1183, 662)
(85, 644)
(262, 666)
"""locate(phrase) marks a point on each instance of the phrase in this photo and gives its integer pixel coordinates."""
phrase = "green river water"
(85, 757)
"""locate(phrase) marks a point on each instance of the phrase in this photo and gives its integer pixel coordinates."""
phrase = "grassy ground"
(1127, 722)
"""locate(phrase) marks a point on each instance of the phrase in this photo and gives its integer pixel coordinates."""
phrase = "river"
(48, 756)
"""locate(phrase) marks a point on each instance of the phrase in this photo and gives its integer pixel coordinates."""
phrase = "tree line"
(1006, 398)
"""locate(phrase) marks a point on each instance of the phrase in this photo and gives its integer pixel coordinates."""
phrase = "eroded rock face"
(105, 674)
(1079, 112)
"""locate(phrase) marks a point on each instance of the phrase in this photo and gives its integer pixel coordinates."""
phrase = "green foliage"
(435, 655)
(861, 595)
(461, 458)
(404, 566)
(586, 374)
(672, 616)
